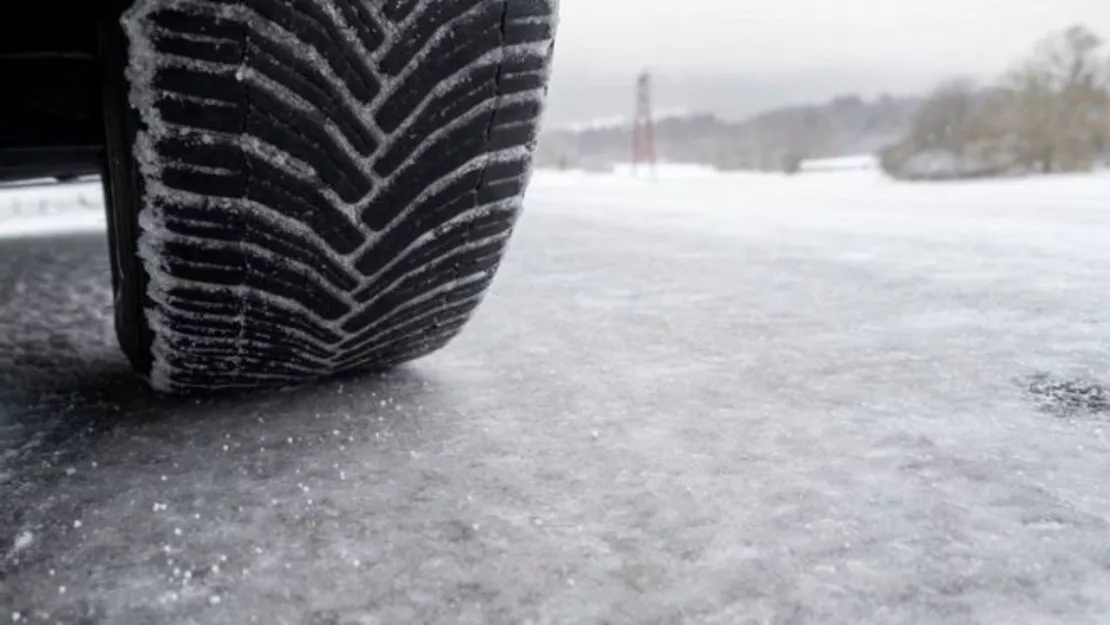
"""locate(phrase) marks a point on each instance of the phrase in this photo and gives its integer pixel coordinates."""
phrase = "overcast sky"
(765, 36)
(888, 44)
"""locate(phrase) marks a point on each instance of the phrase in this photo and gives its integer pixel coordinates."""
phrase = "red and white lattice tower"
(643, 127)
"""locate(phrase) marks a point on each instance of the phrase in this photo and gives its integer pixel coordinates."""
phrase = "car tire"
(298, 188)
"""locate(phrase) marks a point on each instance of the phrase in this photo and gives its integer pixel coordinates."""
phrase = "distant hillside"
(844, 125)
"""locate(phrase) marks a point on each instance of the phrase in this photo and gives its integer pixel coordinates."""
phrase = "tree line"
(1049, 114)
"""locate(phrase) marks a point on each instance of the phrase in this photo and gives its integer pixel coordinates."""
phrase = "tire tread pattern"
(326, 184)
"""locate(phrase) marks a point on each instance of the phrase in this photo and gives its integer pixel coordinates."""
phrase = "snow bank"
(51, 208)
(841, 163)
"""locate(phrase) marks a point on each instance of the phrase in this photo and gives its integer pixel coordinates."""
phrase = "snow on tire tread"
(326, 184)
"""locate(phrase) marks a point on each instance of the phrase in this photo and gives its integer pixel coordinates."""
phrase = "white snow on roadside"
(49, 209)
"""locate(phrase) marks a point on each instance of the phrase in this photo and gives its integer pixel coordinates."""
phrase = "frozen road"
(707, 400)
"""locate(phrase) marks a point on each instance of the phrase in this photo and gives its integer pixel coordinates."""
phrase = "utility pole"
(643, 127)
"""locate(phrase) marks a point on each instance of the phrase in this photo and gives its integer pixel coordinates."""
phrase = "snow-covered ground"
(698, 398)
(887, 348)
(51, 208)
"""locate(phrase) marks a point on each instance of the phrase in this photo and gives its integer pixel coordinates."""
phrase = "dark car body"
(51, 95)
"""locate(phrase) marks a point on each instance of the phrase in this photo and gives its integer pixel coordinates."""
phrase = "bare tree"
(947, 120)
(946, 136)
(1059, 102)
(1051, 114)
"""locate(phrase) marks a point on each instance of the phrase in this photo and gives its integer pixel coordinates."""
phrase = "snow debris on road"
(22, 541)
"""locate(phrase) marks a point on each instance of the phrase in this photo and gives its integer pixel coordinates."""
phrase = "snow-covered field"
(1069, 212)
(1045, 238)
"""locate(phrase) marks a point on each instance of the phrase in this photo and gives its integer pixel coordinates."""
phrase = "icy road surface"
(723, 400)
